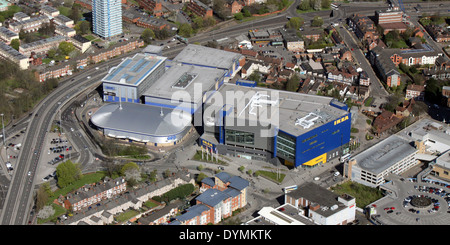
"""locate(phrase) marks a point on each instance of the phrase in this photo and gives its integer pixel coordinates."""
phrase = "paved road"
(376, 87)
(20, 192)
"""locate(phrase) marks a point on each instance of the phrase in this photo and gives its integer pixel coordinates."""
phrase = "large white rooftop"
(134, 70)
(209, 57)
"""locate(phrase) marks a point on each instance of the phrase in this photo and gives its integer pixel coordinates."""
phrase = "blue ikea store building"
(310, 130)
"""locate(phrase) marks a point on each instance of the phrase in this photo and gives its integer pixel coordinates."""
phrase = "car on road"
(29, 173)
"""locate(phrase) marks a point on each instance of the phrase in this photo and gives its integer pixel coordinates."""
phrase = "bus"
(334, 6)
(182, 39)
(345, 157)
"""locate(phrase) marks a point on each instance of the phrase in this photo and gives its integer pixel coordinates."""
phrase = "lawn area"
(272, 175)
(86, 179)
(46, 60)
(364, 195)
(64, 10)
(89, 37)
(368, 101)
(399, 44)
(126, 215)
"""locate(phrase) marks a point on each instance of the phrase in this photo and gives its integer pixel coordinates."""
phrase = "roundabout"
(421, 202)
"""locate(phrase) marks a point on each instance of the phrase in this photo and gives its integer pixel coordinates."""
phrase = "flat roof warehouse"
(193, 80)
(134, 70)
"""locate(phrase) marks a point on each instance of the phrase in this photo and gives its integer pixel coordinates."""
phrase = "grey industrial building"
(131, 78)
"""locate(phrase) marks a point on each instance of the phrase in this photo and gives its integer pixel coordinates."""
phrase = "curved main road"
(16, 207)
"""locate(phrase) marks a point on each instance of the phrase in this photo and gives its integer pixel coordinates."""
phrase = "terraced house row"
(222, 194)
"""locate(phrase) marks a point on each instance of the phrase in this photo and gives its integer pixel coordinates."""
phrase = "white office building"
(107, 17)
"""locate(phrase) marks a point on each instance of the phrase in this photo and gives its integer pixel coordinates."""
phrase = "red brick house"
(199, 8)
(93, 193)
(153, 6)
(385, 121)
(416, 92)
(234, 6)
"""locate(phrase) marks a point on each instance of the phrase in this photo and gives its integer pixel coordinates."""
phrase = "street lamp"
(3, 127)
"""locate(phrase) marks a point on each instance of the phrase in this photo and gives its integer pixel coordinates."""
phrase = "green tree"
(209, 21)
(128, 167)
(15, 44)
(295, 22)
(246, 12)
(68, 172)
(317, 21)
(75, 13)
(42, 195)
(83, 27)
(326, 4)
(66, 48)
(197, 22)
(200, 177)
(239, 16)
(147, 35)
(293, 83)
(153, 176)
(255, 76)
(51, 53)
(131, 173)
(304, 5)
(185, 30)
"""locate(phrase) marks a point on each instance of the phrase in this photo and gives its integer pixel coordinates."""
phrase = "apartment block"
(30, 25)
(388, 16)
(49, 11)
(107, 17)
(42, 46)
(7, 35)
(153, 6)
(199, 8)
(9, 53)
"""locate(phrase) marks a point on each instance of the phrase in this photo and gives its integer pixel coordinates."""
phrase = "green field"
(364, 195)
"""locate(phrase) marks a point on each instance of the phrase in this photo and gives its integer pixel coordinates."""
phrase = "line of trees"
(20, 90)
(307, 5)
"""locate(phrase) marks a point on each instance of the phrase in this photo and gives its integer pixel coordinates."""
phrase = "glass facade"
(234, 136)
(285, 146)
